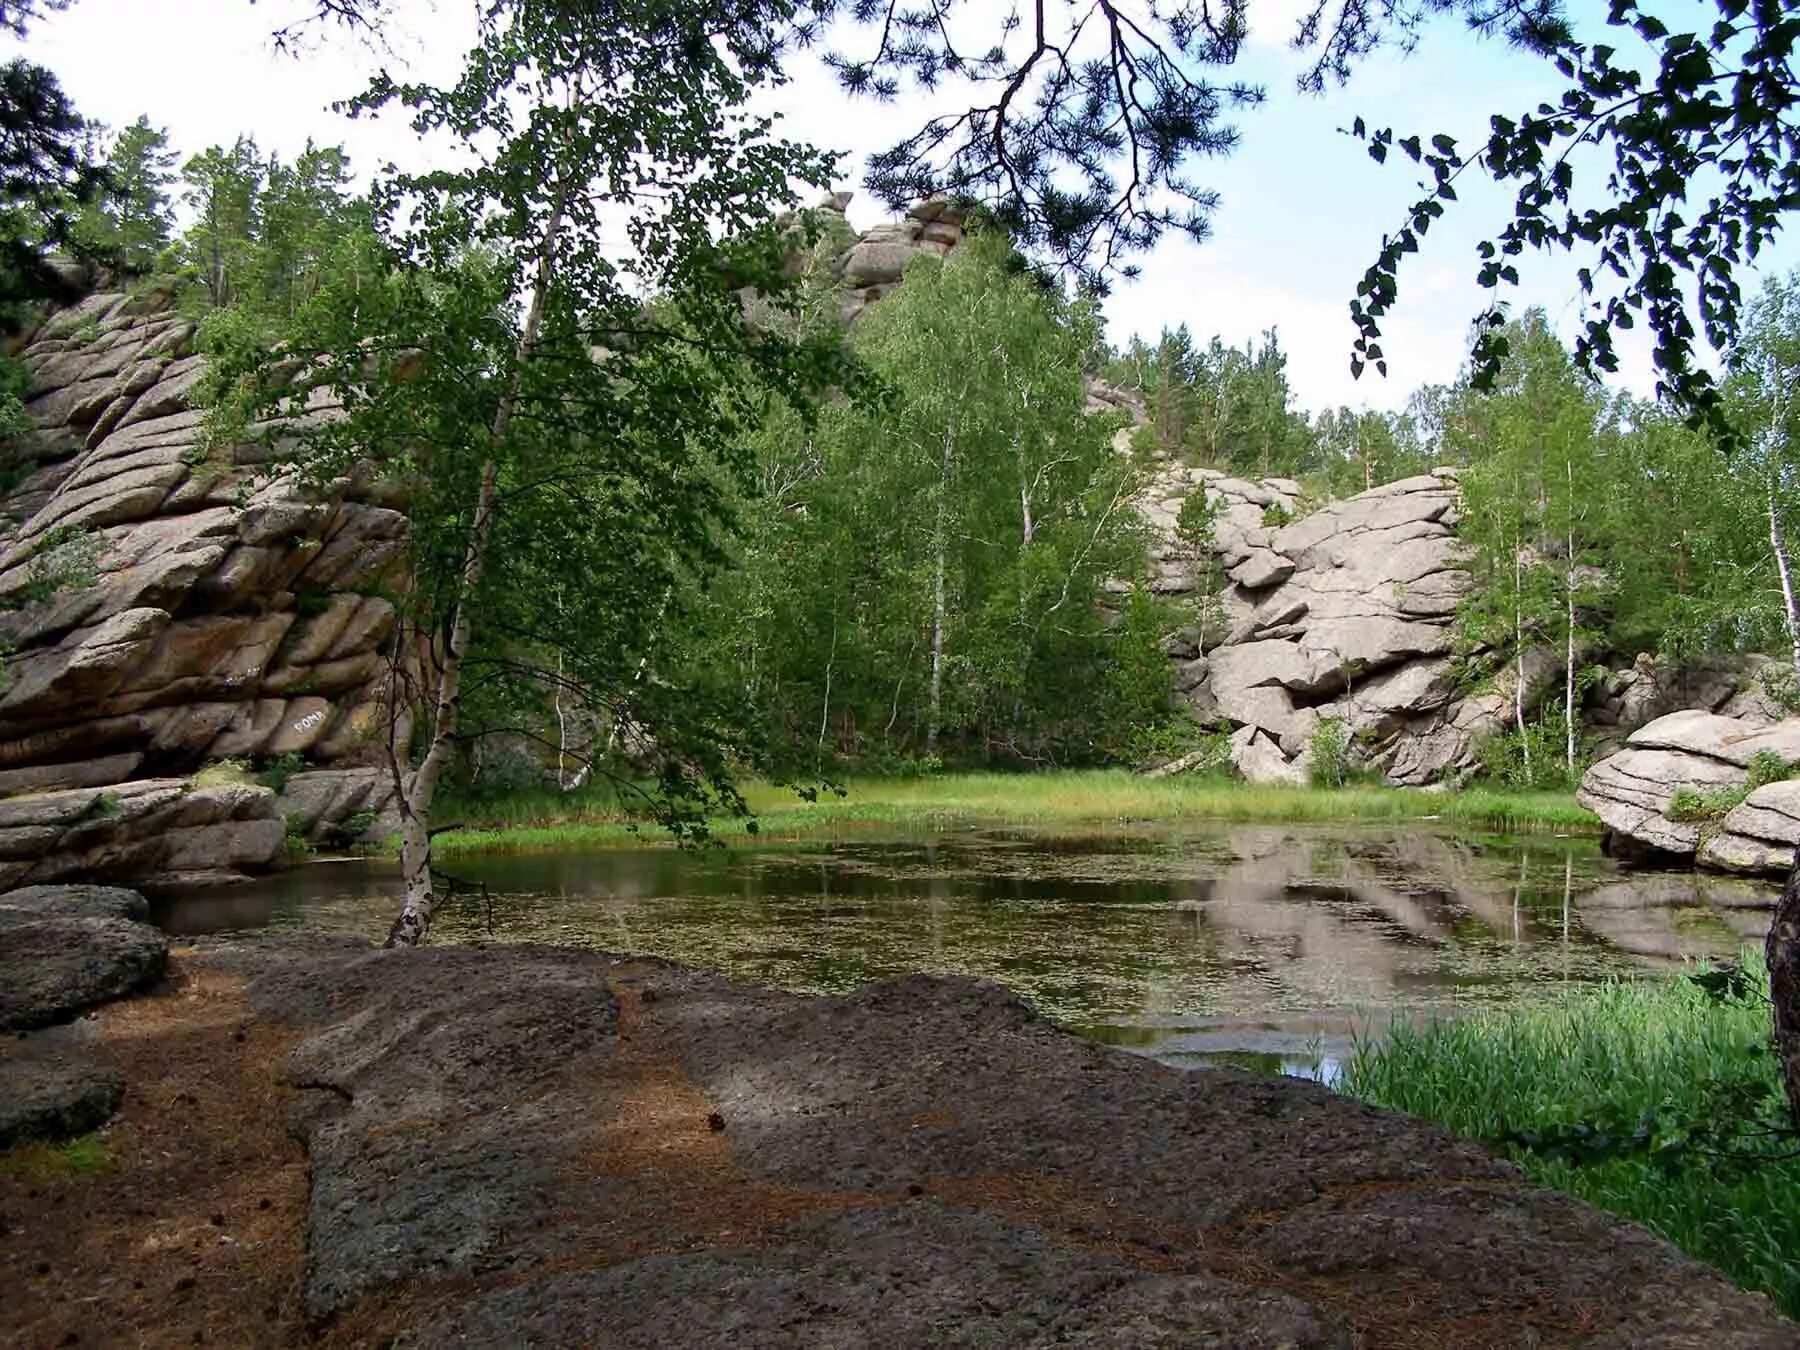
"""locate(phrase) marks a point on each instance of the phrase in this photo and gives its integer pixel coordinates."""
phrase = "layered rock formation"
(1633, 791)
(1344, 612)
(170, 603)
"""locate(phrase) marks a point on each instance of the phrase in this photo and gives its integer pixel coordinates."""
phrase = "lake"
(1271, 946)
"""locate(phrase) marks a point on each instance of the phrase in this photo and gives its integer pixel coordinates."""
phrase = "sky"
(1303, 210)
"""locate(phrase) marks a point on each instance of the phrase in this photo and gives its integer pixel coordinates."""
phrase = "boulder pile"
(1676, 792)
(64, 950)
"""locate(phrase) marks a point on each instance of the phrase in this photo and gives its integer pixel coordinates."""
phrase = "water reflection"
(1271, 945)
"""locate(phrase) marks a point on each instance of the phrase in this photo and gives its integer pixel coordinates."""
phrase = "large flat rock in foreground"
(535, 1146)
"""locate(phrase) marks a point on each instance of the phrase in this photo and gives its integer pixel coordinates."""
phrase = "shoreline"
(542, 822)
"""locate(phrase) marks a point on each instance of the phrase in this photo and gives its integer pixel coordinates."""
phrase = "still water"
(1270, 946)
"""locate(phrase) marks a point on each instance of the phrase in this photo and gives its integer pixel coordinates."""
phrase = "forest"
(712, 517)
(940, 563)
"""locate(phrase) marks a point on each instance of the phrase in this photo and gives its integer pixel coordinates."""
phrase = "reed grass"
(1617, 1052)
(535, 821)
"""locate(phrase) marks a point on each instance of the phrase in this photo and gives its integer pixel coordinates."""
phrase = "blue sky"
(1304, 208)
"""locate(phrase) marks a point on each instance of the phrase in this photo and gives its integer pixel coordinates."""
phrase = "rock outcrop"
(1342, 612)
(1633, 791)
(1732, 686)
(170, 603)
(65, 949)
(518, 1145)
(54, 1097)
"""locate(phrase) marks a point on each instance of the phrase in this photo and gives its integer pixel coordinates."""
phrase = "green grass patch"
(536, 821)
(1644, 1098)
(85, 1155)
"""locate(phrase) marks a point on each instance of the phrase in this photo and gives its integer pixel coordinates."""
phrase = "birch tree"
(1530, 446)
(545, 346)
(1764, 366)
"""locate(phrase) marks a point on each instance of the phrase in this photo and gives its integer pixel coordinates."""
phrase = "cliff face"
(229, 617)
(1344, 612)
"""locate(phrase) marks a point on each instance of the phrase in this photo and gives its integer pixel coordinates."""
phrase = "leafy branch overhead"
(1084, 121)
(1696, 139)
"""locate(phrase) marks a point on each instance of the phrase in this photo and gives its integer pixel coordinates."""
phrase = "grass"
(530, 822)
(1650, 1061)
(84, 1155)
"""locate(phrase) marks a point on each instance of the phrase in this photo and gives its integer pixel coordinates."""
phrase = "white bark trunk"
(940, 565)
(1519, 661)
(1569, 686)
(1778, 546)
(825, 708)
(418, 900)
(1569, 617)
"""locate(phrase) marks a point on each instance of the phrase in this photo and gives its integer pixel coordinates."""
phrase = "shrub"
(1329, 757)
(1275, 515)
(275, 773)
(1532, 760)
(1768, 767)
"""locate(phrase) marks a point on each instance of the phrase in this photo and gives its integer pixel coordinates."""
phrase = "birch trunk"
(418, 900)
(1569, 617)
(940, 564)
(1778, 546)
(1519, 660)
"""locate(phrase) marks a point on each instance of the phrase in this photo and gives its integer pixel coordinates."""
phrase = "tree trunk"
(1569, 684)
(418, 900)
(1783, 954)
(825, 708)
(1569, 617)
(1778, 546)
(1519, 662)
(940, 565)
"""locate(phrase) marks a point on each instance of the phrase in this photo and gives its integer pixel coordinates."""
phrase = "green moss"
(224, 773)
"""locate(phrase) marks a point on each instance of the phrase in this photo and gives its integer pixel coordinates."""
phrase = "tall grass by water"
(539, 820)
(1598, 1092)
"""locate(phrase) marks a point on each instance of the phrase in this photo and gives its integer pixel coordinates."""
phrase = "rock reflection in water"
(1272, 945)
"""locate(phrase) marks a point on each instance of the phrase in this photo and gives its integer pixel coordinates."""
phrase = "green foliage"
(964, 467)
(85, 1155)
(129, 221)
(1328, 763)
(14, 385)
(544, 819)
(274, 773)
(1356, 451)
(1220, 406)
(267, 236)
(1275, 515)
(47, 172)
(568, 417)
(1648, 98)
(1527, 761)
(1767, 766)
(1693, 806)
(66, 557)
(1660, 1101)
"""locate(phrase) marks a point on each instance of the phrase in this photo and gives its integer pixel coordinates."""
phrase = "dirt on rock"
(182, 1222)
(532, 1146)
